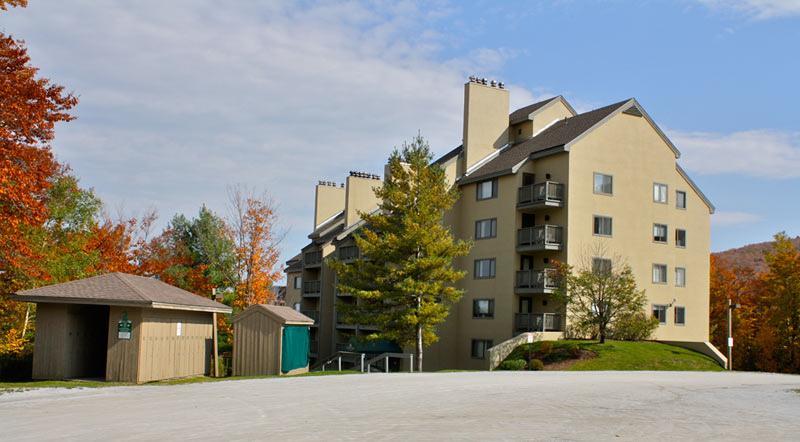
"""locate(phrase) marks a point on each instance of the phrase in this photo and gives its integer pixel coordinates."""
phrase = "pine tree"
(403, 281)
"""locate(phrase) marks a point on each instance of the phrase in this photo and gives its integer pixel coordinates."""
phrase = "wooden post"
(216, 345)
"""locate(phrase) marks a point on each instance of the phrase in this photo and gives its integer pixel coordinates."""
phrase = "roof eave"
(693, 185)
(71, 300)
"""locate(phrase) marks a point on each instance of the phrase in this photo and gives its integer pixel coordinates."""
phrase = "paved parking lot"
(470, 405)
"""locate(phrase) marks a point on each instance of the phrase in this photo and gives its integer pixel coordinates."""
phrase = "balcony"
(312, 289)
(546, 194)
(538, 238)
(344, 346)
(348, 253)
(312, 259)
(535, 281)
(538, 322)
(313, 314)
(340, 323)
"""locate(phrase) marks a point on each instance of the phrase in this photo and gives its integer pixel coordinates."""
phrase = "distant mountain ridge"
(751, 255)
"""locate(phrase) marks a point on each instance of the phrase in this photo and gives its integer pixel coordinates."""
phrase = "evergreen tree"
(403, 281)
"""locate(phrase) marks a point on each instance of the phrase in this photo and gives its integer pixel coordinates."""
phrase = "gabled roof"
(295, 264)
(694, 187)
(524, 113)
(280, 313)
(122, 289)
(559, 134)
(446, 157)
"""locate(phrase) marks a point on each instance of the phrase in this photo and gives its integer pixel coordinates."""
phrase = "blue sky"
(181, 99)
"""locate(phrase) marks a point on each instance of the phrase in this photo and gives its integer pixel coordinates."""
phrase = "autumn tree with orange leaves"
(253, 222)
(766, 328)
(29, 109)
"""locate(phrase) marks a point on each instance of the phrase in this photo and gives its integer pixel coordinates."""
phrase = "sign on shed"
(124, 327)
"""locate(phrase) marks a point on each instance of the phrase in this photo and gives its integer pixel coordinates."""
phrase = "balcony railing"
(344, 346)
(340, 321)
(313, 314)
(535, 281)
(348, 253)
(312, 259)
(538, 322)
(548, 193)
(544, 237)
(312, 288)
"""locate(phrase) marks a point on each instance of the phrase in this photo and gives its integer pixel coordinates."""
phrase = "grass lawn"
(76, 383)
(616, 355)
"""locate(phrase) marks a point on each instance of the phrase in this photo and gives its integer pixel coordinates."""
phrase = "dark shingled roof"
(522, 113)
(295, 264)
(455, 152)
(124, 290)
(556, 135)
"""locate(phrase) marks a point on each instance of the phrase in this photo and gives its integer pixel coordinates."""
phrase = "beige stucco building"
(539, 184)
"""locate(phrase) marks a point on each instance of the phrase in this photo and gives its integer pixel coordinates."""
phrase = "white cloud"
(725, 219)
(181, 98)
(758, 153)
(757, 9)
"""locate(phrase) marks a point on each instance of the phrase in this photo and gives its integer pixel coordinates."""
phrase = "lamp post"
(731, 307)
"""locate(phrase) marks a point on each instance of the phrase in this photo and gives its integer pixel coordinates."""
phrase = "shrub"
(634, 327)
(545, 348)
(16, 367)
(513, 364)
(536, 365)
(573, 350)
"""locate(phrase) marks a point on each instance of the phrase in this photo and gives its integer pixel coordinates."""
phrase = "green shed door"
(295, 347)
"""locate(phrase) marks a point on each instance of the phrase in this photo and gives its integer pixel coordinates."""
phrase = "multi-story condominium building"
(539, 184)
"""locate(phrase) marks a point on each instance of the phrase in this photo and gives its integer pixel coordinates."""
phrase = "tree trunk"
(419, 348)
(602, 334)
(27, 319)
(419, 336)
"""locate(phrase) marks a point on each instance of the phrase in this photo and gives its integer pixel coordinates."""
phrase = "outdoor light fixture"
(731, 308)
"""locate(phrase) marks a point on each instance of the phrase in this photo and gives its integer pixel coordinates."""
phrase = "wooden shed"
(122, 328)
(270, 340)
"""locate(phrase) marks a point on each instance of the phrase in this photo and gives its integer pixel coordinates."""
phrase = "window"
(680, 238)
(680, 315)
(486, 228)
(660, 313)
(660, 193)
(680, 277)
(601, 265)
(479, 347)
(298, 282)
(483, 308)
(680, 199)
(603, 184)
(660, 233)
(602, 225)
(487, 189)
(659, 273)
(484, 268)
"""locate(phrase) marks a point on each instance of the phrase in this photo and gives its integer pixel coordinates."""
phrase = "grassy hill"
(613, 355)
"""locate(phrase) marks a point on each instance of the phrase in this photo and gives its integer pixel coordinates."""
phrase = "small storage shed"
(270, 340)
(122, 328)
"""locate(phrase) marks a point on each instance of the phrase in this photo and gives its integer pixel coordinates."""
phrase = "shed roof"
(122, 289)
(280, 313)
